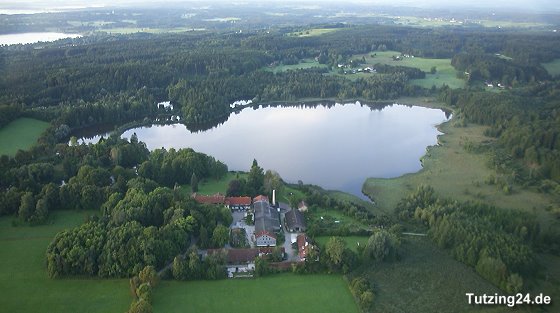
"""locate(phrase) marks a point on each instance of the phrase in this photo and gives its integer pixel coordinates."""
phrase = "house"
(240, 262)
(295, 221)
(303, 246)
(217, 198)
(261, 198)
(302, 206)
(238, 203)
(264, 238)
(284, 207)
(267, 222)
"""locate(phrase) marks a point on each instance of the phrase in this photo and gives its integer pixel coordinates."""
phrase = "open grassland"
(20, 134)
(305, 64)
(273, 294)
(25, 286)
(455, 173)
(313, 32)
(427, 280)
(211, 186)
(445, 73)
(553, 68)
(439, 22)
(330, 216)
(352, 242)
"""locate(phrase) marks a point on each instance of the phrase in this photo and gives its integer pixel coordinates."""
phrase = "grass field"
(20, 134)
(553, 68)
(212, 186)
(25, 286)
(273, 294)
(330, 216)
(427, 280)
(306, 63)
(457, 174)
(313, 32)
(352, 242)
(438, 22)
(445, 73)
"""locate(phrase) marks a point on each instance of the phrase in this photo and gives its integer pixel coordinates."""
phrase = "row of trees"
(190, 266)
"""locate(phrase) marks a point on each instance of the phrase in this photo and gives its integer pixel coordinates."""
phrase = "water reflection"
(335, 146)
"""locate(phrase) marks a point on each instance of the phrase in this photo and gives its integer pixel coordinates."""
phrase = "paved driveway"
(239, 221)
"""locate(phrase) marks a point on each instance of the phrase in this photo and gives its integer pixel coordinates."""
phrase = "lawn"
(352, 242)
(553, 68)
(25, 286)
(458, 174)
(273, 294)
(20, 134)
(211, 186)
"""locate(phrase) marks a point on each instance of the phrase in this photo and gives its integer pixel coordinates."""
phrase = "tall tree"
(194, 182)
(255, 179)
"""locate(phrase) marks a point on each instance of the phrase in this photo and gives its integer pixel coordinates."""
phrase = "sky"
(521, 5)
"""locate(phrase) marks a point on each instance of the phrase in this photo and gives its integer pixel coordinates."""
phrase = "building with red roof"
(238, 203)
(217, 198)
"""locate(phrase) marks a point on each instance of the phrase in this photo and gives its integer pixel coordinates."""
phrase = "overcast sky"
(522, 5)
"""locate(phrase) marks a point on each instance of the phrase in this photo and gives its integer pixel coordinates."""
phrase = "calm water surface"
(336, 147)
(25, 38)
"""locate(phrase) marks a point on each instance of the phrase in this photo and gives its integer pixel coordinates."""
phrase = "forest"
(145, 222)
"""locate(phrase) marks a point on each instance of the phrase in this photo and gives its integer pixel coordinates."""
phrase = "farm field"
(20, 134)
(307, 63)
(313, 32)
(445, 73)
(23, 275)
(276, 294)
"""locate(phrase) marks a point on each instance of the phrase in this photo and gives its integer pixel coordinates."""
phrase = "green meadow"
(313, 32)
(445, 72)
(20, 134)
(305, 64)
(25, 286)
(456, 173)
(352, 242)
(272, 294)
(553, 68)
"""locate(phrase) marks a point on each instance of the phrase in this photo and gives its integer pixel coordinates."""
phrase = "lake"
(25, 38)
(336, 146)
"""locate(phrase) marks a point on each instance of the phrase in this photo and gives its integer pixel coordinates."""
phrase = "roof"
(294, 218)
(266, 218)
(217, 198)
(263, 233)
(238, 201)
(284, 207)
(303, 245)
(269, 250)
(260, 198)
